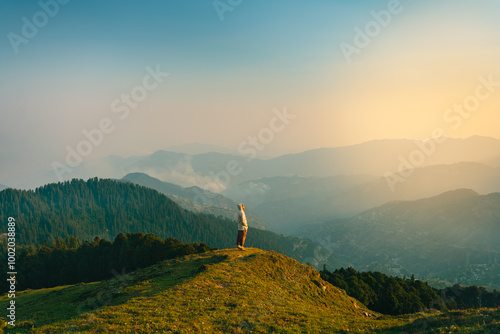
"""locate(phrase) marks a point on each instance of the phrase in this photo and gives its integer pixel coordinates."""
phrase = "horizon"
(178, 148)
(48, 177)
(263, 157)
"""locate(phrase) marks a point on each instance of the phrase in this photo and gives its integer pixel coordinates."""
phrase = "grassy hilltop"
(223, 291)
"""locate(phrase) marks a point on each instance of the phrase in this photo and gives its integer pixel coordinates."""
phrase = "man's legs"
(243, 237)
(239, 239)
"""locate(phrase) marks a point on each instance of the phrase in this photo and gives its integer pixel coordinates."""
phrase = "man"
(242, 227)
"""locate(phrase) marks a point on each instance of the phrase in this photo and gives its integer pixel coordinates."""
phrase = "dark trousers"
(242, 235)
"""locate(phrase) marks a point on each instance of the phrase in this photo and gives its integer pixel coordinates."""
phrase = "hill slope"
(225, 291)
(453, 236)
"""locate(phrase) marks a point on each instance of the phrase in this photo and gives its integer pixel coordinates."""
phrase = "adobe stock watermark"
(454, 116)
(373, 28)
(249, 148)
(31, 26)
(223, 6)
(122, 108)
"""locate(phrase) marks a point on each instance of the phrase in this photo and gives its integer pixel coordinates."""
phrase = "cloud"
(182, 174)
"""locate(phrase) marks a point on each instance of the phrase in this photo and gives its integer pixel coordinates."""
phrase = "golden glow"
(403, 83)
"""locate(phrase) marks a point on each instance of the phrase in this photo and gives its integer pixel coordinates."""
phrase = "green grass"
(224, 291)
(469, 321)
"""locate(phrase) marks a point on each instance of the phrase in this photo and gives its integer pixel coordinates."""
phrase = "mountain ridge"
(374, 158)
(453, 236)
(198, 148)
(195, 199)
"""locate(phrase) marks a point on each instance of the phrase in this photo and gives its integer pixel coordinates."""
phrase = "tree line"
(395, 295)
(71, 261)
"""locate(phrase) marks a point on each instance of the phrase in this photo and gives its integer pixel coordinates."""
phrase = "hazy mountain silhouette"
(372, 158)
(494, 161)
(197, 148)
(287, 202)
(380, 156)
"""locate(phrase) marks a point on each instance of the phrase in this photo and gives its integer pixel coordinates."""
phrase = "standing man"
(242, 227)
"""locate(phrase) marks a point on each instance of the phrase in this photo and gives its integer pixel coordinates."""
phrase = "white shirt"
(242, 221)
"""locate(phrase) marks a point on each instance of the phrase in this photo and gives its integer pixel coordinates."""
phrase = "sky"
(139, 76)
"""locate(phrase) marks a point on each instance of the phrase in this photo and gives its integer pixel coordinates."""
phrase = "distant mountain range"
(317, 185)
(380, 156)
(454, 236)
(195, 199)
(371, 158)
(495, 161)
(288, 202)
(2, 187)
(197, 148)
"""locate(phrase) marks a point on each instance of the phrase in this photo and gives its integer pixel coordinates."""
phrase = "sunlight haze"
(227, 76)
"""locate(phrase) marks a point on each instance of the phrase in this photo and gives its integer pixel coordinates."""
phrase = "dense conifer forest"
(395, 295)
(105, 208)
(71, 261)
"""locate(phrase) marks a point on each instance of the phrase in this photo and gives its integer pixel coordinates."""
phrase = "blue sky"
(226, 77)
